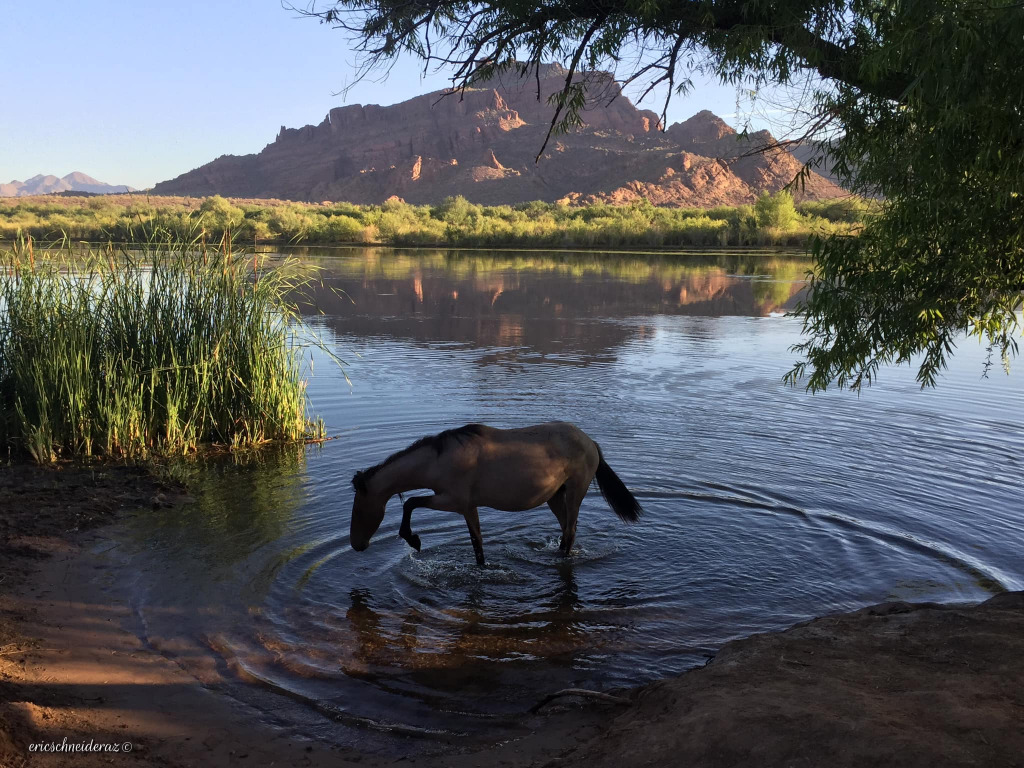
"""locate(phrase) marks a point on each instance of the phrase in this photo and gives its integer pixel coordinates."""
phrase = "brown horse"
(479, 466)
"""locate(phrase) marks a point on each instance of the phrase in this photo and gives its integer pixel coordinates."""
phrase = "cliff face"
(482, 143)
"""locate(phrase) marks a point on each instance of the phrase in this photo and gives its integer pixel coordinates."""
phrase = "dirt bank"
(899, 684)
(894, 684)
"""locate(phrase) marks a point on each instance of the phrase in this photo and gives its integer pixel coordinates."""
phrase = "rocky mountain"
(815, 152)
(73, 182)
(482, 143)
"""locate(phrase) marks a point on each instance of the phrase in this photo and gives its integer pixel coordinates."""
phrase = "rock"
(449, 143)
(703, 128)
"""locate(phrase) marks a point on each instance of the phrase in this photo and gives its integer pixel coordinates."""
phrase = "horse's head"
(367, 514)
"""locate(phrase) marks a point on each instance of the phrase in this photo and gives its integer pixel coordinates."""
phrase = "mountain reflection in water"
(542, 302)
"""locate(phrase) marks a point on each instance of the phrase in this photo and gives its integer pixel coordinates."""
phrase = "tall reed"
(127, 353)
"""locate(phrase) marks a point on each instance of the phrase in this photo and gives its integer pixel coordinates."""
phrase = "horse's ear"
(359, 482)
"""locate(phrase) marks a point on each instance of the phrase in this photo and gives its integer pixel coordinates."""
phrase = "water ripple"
(764, 505)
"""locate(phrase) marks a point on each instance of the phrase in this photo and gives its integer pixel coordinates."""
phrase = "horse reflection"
(411, 640)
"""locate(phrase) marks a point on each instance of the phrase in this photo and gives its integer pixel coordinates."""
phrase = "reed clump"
(160, 349)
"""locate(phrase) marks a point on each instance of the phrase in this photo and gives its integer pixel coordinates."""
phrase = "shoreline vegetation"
(160, 349)
(773, 220)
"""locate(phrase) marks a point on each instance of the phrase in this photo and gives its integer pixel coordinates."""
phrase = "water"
(764, 505)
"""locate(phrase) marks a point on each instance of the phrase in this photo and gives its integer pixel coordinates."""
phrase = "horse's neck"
(402, 474)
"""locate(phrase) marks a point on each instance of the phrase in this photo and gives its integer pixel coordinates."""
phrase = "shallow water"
(764, 505)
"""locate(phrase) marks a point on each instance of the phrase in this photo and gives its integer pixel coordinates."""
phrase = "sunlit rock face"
(483, 143)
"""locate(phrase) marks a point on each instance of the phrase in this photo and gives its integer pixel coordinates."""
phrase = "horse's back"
(523, 467)
(558, 437)
(549, 430)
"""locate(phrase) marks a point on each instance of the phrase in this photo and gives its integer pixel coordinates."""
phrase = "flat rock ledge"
(896, 684)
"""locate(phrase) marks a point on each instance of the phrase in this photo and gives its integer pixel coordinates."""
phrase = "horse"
(473, 466)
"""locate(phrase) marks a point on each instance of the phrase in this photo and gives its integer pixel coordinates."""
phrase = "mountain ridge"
(47, 184)
(481, 143)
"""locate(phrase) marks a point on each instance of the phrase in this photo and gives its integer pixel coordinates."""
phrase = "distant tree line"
(772, 220)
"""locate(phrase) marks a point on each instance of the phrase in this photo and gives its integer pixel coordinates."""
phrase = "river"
(765, 505)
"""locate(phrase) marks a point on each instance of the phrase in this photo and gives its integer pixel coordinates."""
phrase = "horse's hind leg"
(473, 523)
(559, 506)
(575, 490)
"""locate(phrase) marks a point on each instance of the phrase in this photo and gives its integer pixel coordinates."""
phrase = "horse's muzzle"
(360, 546)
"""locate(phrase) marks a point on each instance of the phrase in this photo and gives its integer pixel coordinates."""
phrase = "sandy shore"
(898, 684)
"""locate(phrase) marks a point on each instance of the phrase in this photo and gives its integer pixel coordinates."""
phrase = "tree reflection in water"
(551, 304)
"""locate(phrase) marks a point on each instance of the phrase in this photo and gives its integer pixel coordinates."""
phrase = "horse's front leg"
(405, 529)
(440, 501)
(473, 523)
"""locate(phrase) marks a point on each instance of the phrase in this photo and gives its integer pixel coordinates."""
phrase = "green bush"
(220, 215)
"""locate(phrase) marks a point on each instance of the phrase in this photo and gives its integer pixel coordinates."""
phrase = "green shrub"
(218, 215)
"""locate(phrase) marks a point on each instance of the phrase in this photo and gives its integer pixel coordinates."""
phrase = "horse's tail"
(615, 492)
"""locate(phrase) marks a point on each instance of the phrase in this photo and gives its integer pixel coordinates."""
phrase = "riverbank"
(898, 684)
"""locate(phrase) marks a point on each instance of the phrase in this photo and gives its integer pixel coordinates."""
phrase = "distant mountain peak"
(702, 128)
(76, 181)
(77, 177)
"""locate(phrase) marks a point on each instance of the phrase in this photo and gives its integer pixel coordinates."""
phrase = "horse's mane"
(438, 442)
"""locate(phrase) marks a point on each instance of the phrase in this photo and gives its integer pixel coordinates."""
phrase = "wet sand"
(898, 684)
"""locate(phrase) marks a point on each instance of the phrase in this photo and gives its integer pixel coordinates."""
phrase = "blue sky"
(139, 92)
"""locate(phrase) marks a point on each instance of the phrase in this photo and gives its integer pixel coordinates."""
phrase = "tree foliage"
(776, 210)
(946, 255)
(921, 101)
(455, 221)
